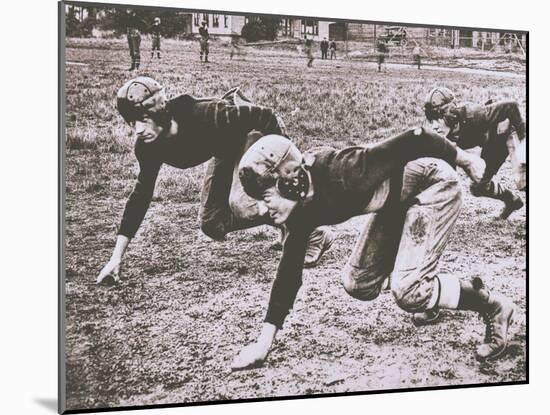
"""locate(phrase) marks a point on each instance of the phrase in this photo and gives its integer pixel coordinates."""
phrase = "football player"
(184, 132)
(495, 127)
(412, 195)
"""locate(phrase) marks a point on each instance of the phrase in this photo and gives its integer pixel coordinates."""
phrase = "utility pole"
(346, 41)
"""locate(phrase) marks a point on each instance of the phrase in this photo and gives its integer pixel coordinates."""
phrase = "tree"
(271, 25)
(261, 28)
(253, 31)
(116, 19)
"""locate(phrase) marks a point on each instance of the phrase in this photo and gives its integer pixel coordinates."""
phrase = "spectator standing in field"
(235, 47)
(417, 55)
(184, 132)
(412, 194)
(508, 45)
(309, 51)
(332, 49)
(382, 49)
(155, 38)
(324, 48)
(134, 27)
(204, 40)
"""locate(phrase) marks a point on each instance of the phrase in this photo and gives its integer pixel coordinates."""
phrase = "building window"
(197, 19)
(215, 20)
(226, 21)
(310, 27)
(285, 27)
(205, 19)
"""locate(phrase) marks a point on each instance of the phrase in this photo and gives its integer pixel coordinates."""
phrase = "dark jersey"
(134, 26)
(206, 128)
(381, 47)
(344, 183)
(155, 31)
(203, 32)
(475, 123)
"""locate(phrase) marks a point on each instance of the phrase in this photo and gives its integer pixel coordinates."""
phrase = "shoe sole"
(511, 320)
(326, 247)
(505, 215)
(426, 322)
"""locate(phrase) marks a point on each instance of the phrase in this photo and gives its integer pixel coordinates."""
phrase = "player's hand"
(254, 354)
(473, 165)
(518, 155)
(110, 274)
(251, 356)
(476, 168)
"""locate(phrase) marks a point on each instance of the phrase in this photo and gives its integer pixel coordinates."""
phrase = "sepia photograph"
(260, 206)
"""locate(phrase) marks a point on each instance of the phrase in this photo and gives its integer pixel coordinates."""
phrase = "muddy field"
(186, 305)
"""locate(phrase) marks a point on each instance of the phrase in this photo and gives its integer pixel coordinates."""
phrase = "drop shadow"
(48, 403)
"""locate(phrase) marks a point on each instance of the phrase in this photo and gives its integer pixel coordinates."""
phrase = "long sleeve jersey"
(203, 32)
(155, 31)
(206, 128)
(134, 25)
(475, 123)
(344, 183)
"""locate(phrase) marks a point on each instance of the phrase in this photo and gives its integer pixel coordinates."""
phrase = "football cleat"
(497, 319)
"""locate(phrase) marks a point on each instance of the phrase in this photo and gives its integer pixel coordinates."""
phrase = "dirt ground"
(186, 305)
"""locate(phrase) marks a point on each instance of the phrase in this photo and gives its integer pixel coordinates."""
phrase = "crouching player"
(412, 192)
(184, 132)
(496, 128)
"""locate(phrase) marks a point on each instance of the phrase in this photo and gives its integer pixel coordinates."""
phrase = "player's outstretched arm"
(254, 354)
(111, 271)
(134, 212)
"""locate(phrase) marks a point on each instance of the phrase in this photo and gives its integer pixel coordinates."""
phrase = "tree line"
(80, 21)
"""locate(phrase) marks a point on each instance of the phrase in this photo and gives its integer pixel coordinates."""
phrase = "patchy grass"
(185, 305)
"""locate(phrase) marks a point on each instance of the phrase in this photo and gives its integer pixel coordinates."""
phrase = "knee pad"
(244, 207)
(405, 300)
(213, 228)
(411, 297)
(357, 290)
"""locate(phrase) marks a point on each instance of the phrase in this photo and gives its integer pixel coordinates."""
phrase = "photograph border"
(62, 209)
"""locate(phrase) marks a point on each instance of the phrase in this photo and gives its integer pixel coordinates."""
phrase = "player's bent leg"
(494, 153)
(496, 190)
(214, 212)
(225, 206)
(320, 241)
(372, 259)
(414, 284)
(433, 187)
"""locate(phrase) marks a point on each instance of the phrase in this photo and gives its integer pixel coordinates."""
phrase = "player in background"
(155, 37)
(204, 42)
(309, 51)
(417, 55)
(184, 132)
(235, 46)
(382, 50)
(134, 27)
(494, 127)
(324, 48)
(413, 197)
(332, 49)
